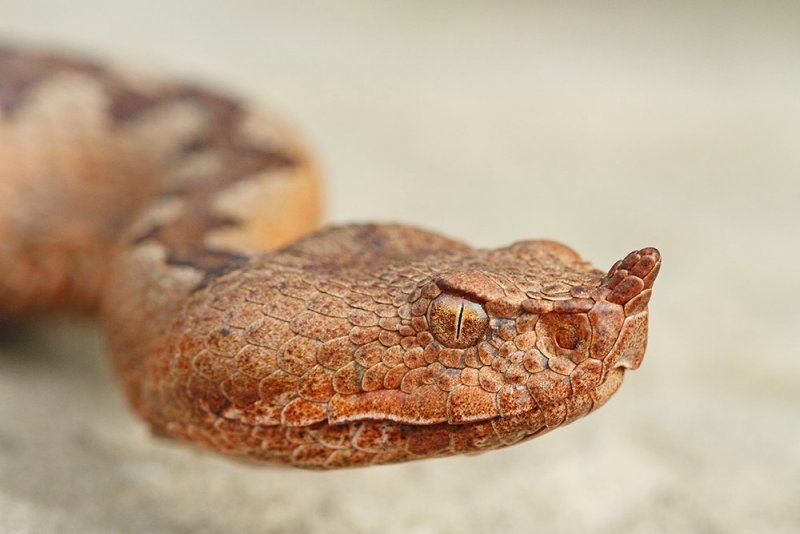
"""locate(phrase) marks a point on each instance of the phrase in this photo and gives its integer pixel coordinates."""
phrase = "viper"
(187, 219)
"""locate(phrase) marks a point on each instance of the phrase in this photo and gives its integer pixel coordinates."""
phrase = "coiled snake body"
(186, 219)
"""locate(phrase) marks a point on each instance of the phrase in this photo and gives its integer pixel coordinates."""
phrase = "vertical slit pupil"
(458, 323)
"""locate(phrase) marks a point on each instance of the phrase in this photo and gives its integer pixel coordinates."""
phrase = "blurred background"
(609, 126)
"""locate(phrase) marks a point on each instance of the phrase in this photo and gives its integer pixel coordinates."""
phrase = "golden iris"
(457, 322)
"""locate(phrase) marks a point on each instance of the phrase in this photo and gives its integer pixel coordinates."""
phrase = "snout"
(628, 351)
(630, 283)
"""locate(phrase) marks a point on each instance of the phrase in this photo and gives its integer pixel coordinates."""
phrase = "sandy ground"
(607, 126)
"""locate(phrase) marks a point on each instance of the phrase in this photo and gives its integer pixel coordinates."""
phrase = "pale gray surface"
(610, 127)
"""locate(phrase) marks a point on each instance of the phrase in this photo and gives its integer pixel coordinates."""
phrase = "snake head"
(407, 346)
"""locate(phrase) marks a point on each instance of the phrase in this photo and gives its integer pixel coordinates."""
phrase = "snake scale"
(188, 220)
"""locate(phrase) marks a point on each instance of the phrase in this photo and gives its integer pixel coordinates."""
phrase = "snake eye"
(457, 322)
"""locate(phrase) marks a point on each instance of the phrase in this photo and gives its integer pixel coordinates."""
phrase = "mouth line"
(612, 381)
(615, 375)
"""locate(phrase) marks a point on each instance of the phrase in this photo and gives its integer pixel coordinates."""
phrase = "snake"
(188, 221)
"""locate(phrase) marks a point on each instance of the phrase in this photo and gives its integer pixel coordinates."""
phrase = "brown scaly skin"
(173, 208)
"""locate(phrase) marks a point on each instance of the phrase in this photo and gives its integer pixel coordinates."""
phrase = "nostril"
(566, 338)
